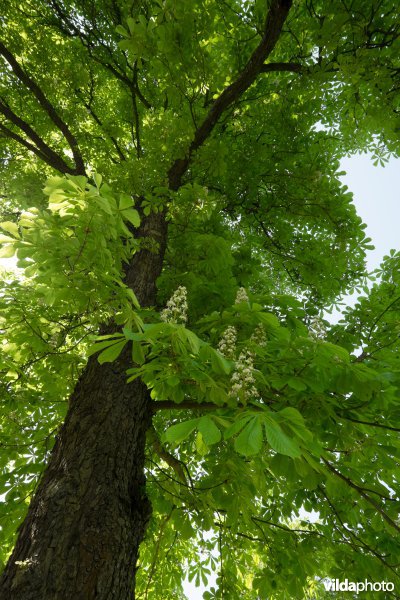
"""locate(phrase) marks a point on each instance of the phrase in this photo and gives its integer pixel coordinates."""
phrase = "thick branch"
(275, 19)
(39, 147)
(14, 136)
(47, 106)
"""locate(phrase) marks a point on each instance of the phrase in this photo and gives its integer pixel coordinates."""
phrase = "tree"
(175, 273)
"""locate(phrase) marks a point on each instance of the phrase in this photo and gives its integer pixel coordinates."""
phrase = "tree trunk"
(81, 536)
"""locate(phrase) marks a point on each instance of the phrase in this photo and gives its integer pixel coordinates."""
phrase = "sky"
(377, 198)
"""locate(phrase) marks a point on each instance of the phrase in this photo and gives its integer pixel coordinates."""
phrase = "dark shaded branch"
(361, 545)
(14, 136)
(371, 424)
(137, 124)
(39, 147)
(238, 533)
(365, 489)
(96, 119)
(291, 67)
(188, 404)
(288, 529)
(142, 99)
(47, 106)
(153, 565)
(362, 493)
(274, 21)
(170, 404)
(379, 317)
(66, 25)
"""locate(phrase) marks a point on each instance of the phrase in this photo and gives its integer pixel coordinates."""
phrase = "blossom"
(241, 296)
(176, 308)
(242, 380)
(259, 337)
(227, 345)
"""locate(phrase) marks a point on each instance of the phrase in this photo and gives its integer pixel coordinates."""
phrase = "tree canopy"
(209, 134)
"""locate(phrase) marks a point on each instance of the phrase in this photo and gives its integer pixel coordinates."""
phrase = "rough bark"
(81, 537)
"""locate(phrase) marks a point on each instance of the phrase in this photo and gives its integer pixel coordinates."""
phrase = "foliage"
(287, 414)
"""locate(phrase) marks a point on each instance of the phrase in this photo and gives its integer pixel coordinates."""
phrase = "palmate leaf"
(278, 440)
(105, 341)
(4, 239)
(131, 215)
(236, 426)
(219, 363)
(125, 201)
(7, 251)
(112, 352)
(249, 441)
(208, 429)
(11, 228)
(179, 432)
(249, 431)
(109, 349)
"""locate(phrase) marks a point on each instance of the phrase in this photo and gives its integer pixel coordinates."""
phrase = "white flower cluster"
(242, 380)
(241, 296)
(227, 345)
(176, 309)
(259, 336)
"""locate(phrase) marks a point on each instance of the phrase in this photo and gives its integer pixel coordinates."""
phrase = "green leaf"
(297, 384)
(268, 319)
(291, 413)
(125, 201)
(122, 31)
(201, 446)
(131, 215)
(133, 335)
(131, 294)
(10, 228)
(236, 426)
(249, 441)
(77, 181)
(98, 179)
(108, 341)
(219, 363)
(138, 355)
(104, 204)
(111, 353)
(193, 340)
(7, 251)
(278, 440)
(179, 432)
(4, 239)
(208, 429)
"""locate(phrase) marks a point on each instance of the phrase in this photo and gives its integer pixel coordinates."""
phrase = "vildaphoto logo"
(335, 585)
